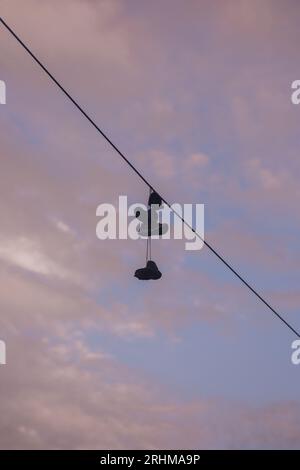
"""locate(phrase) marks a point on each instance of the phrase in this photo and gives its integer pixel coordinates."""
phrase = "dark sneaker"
(150, 272)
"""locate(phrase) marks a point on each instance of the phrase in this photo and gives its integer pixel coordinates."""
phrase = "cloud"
(26, 254)
(197, 160)
(65, 396)
(201, 107)
(163, 164)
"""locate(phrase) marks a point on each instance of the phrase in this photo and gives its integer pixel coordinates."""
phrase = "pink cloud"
(110, 408)
(157, 85)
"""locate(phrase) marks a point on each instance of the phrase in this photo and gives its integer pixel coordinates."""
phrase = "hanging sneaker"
(154, 199)
(150, 272)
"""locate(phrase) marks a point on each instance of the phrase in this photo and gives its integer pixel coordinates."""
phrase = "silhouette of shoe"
(150, 272)
(154, 199)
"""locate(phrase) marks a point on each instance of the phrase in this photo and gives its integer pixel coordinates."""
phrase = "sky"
(198, 96)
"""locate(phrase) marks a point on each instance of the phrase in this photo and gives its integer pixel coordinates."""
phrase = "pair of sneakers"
(150, 226)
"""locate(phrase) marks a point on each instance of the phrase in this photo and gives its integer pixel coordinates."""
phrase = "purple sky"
(197, 95)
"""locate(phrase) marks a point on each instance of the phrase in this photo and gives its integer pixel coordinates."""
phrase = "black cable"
(145, 180)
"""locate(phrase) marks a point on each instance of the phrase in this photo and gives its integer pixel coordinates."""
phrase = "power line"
(220, 257)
